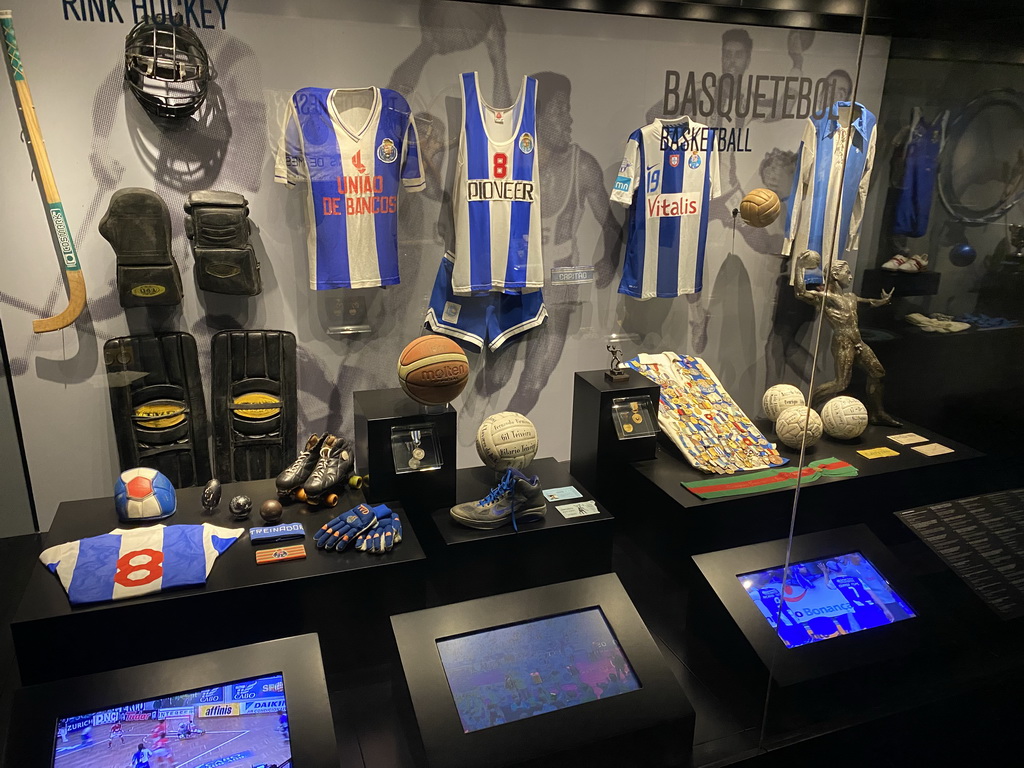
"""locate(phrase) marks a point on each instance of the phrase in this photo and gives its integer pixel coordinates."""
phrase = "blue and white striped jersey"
(496, 198)
(137, 561)
(355, 147)
(820, 185)
(669, 174)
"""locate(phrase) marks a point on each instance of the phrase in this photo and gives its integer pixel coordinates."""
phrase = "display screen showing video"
(825, 598)
(243, 723)
(500, 675)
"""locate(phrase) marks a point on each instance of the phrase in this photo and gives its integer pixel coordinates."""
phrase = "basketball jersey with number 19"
(497, 195)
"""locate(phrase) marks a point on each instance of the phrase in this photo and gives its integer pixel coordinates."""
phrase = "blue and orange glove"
(384, 535)
(342, 530)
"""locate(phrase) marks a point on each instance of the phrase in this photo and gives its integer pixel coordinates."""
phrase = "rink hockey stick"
(58, 220)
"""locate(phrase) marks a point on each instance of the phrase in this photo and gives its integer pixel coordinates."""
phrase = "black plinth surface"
(544, 552)
(705, 524)
(973, 380)
(241, 601)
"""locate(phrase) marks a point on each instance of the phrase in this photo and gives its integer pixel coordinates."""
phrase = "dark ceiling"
(973, 24)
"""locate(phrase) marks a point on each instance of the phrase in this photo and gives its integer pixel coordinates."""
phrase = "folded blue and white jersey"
(822, 188)
(356, 147)
(138, 561)
(668, 176)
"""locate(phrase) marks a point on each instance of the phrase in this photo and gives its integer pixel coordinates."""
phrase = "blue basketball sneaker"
(517, 498)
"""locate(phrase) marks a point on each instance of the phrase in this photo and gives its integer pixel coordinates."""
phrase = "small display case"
(599, 445)
(391, 431)
(634, 417)
(414, 448)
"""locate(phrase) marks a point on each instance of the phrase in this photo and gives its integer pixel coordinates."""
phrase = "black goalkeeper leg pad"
(157, 403)
(138, 228)
(254, 403)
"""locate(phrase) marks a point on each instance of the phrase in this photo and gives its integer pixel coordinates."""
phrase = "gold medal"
(418, 453)
(627, 428)
(637, 417)
(414, 464)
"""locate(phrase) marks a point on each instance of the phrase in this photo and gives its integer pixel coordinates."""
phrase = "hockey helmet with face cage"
(166, 66)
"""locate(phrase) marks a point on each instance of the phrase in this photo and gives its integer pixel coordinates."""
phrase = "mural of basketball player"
(840, 87)
(571, 182)
(737, 47)
(737, 50)
(446, 28)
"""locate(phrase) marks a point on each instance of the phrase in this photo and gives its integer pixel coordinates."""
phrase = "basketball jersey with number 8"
(133, 562)
(497, 195)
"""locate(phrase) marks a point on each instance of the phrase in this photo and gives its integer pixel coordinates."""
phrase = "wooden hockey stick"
(58, 220)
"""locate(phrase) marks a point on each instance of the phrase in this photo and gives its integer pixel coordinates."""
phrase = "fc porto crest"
(387, 152)
(694, 161)
(673, 160)
(526, 143)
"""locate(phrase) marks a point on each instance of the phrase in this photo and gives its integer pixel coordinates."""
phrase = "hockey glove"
(348, 459)
(385, 535)
(342, 530)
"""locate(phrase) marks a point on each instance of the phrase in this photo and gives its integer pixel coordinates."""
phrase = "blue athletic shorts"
(491, 318)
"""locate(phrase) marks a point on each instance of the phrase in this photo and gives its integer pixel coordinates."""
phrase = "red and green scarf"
(769, 479)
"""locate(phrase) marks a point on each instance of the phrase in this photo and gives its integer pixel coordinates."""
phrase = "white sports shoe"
(916, 263)
(896, 262)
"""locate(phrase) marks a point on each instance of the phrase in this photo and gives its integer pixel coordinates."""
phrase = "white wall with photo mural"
(600, 77)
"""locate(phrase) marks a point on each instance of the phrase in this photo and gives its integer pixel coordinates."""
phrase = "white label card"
(580, 509)
(907, 438)
(932, 449)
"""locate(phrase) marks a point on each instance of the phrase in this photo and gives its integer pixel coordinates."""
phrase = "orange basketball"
(433, 370)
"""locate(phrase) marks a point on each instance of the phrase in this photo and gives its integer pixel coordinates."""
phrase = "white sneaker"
(916, 263)
(896, 262)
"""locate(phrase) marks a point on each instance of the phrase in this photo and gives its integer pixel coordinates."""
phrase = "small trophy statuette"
(615, 372)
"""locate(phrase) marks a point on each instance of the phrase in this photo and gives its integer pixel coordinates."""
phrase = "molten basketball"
(760, 207)
(433, 370)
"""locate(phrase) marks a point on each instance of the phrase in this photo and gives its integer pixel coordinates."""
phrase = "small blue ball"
(962, 254)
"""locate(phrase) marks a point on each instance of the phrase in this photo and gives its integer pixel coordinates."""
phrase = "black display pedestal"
(597, 455)
(651, 497)
(469, 563)
(242, 602)
(377, 413)
(652, 725)
(900, 283)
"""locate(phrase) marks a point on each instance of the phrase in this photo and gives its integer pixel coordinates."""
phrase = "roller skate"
(289, 482)
(331, 473)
